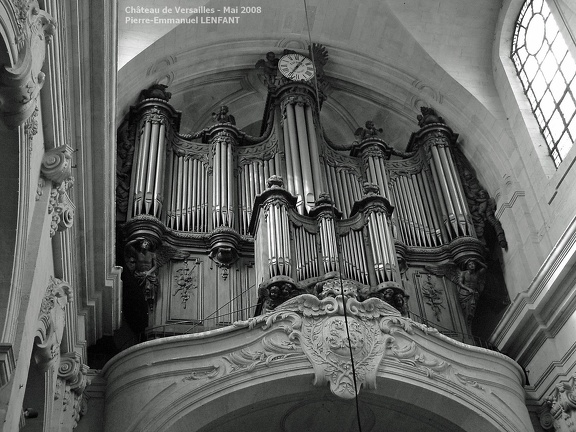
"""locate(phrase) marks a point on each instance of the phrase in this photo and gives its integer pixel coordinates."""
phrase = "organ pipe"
(314, 153)
(303, 147)
(295, 157)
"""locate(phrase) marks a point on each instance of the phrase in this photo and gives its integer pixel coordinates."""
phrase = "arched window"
(547, 70)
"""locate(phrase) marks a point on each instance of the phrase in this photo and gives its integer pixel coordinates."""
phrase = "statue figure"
(400, 303)
(222, 116)
(491, 218)
(470, 286)
(483, 210)
(270, 66)
(368, 131)
(143, 262)
(469, 281)
(394, 297)
(428, 116)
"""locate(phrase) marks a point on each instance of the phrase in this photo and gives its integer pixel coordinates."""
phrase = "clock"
(296, 67)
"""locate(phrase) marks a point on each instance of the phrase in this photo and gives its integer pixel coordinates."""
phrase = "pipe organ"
(239, 224)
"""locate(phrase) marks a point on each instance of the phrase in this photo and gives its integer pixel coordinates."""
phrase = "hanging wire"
(338, 239)
(225, 304)
(195, 324)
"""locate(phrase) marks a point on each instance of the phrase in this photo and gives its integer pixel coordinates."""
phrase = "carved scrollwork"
(273, 350)
(61, 207)
(186, 281)
(204, 373)
(73, 371)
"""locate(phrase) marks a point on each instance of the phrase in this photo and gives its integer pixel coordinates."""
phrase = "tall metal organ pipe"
(150, 157)
(303, 170)
(223, 206)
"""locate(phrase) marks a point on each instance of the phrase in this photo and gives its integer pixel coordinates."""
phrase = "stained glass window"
(547, 70)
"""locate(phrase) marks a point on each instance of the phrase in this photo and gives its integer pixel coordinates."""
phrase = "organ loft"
(220, 225)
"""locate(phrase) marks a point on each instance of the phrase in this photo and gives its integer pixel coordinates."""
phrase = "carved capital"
(72, 380)
(73, 371)
(57, 164)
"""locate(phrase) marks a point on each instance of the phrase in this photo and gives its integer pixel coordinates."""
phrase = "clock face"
(296, 67)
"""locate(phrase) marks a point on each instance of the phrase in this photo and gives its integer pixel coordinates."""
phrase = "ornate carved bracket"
(21, 82)
(51, 322)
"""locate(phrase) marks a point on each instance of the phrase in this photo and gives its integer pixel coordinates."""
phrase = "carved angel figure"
(144, 262)
(428, 116)
(270, 66)
(222, 116)
(470, 282)
(368, 131)
(320, 55)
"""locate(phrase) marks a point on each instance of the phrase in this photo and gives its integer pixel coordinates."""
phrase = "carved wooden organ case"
(234, 225)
